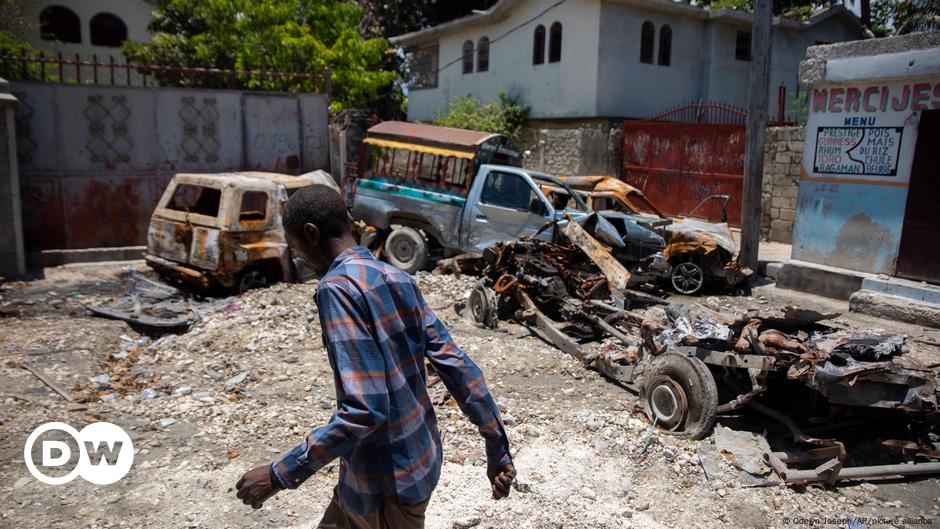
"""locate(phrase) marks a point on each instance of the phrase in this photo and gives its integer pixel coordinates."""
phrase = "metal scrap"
(154, 308)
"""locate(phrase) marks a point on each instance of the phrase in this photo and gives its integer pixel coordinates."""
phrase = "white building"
(586, 59)
(89, 28)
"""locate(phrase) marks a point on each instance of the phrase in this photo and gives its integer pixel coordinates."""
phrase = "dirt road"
(251, 379)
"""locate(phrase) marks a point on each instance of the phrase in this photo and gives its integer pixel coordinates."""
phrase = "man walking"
(378, 331)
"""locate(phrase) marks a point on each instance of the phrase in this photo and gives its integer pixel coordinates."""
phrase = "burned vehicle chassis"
(574, 293)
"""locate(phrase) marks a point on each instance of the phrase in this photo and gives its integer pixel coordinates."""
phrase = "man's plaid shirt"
(378, 330)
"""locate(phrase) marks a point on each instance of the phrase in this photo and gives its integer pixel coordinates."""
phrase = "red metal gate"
(685, 155)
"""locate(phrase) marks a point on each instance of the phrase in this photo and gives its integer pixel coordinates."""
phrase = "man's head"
(317, 225)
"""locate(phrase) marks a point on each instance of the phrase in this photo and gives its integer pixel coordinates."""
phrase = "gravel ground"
(251, 379)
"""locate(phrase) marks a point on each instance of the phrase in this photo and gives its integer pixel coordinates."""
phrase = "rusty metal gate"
(684, 155)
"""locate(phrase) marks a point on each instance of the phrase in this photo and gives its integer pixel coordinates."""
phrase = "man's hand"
(256, 486)
(501, 477)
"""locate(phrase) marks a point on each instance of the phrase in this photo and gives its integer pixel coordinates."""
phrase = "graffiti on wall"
(200, 125)
(109, 141)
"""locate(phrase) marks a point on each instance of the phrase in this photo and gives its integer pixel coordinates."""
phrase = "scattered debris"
(745, 450)
(155, 308)
(47, 381)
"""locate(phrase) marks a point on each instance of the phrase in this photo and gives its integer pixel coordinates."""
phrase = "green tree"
(504, 116)
(799, 9)
(396, 17)
(904, 16)
(278, 35)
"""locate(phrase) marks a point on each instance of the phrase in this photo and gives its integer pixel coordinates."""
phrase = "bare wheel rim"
(251, 280)
(667, 402)
(478, 305)
(404, 249)
(687, 278)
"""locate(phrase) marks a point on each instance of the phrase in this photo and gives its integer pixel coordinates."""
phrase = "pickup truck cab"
(435, 193)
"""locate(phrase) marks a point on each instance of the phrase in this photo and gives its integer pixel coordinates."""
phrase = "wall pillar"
(12, 256)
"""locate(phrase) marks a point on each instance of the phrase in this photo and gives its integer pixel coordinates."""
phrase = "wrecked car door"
(504, 205)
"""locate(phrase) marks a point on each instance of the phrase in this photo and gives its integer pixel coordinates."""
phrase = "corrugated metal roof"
(419, 132)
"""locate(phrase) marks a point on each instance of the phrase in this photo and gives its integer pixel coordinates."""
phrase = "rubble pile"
(250, 379)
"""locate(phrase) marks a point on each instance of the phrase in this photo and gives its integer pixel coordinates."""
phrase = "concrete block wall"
(783, 158)
(591, 149)
(94, 160)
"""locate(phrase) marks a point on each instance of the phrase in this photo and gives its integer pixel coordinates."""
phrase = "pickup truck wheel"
(406, 249)
(679, 393)
(687, 278)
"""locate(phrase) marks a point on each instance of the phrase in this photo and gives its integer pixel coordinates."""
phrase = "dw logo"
(105, 453)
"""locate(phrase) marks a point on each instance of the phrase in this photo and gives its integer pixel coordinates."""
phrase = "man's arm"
(361, 369)
(465, 382)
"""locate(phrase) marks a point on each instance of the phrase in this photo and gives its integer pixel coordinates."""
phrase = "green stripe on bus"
(411, 192)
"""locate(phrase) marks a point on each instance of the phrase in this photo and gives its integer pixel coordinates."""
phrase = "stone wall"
(783, 159)
(592, 149)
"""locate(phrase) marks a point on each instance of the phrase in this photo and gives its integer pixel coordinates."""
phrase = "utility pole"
(761, 45)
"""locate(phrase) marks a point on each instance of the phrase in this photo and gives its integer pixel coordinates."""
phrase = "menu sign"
(870, 151)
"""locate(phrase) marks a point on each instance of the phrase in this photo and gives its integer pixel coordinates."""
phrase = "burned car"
(700, 252)
(224, 230)
(702, 362)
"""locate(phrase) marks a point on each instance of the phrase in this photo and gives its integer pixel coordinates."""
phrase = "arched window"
(107, 30)
(538, 45)
(647, 35)
(665, 45)
(468, 57)
(483, 54)
(61, 24)
(554, 43)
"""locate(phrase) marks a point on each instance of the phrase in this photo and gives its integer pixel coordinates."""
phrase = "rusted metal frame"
(618, 277)
(547, 329)
(613, 331)
(757, 388)
(831, 471)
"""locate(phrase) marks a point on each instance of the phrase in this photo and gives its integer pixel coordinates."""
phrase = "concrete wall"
(783, 158)
(864, 111)
(95, 159)
(12, 254)
(586, 149)
(562, 89)
(134, 13)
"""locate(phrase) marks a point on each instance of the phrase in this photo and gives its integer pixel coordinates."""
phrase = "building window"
(483, 54)
(647, 34)
(61, 24)
(107, 30)
(538, 45)
(424, 62)
(554, 43)
(742, 47)
(468, 57)
(665, 45)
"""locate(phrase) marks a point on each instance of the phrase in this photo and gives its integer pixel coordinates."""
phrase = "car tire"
(679, 394)
(251, 279)
(687, 278)
(406, 249)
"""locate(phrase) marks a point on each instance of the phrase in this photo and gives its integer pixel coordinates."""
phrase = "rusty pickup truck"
(223, 231)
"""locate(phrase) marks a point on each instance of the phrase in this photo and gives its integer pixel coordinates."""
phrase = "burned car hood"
(701, 233)
(631, 232)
